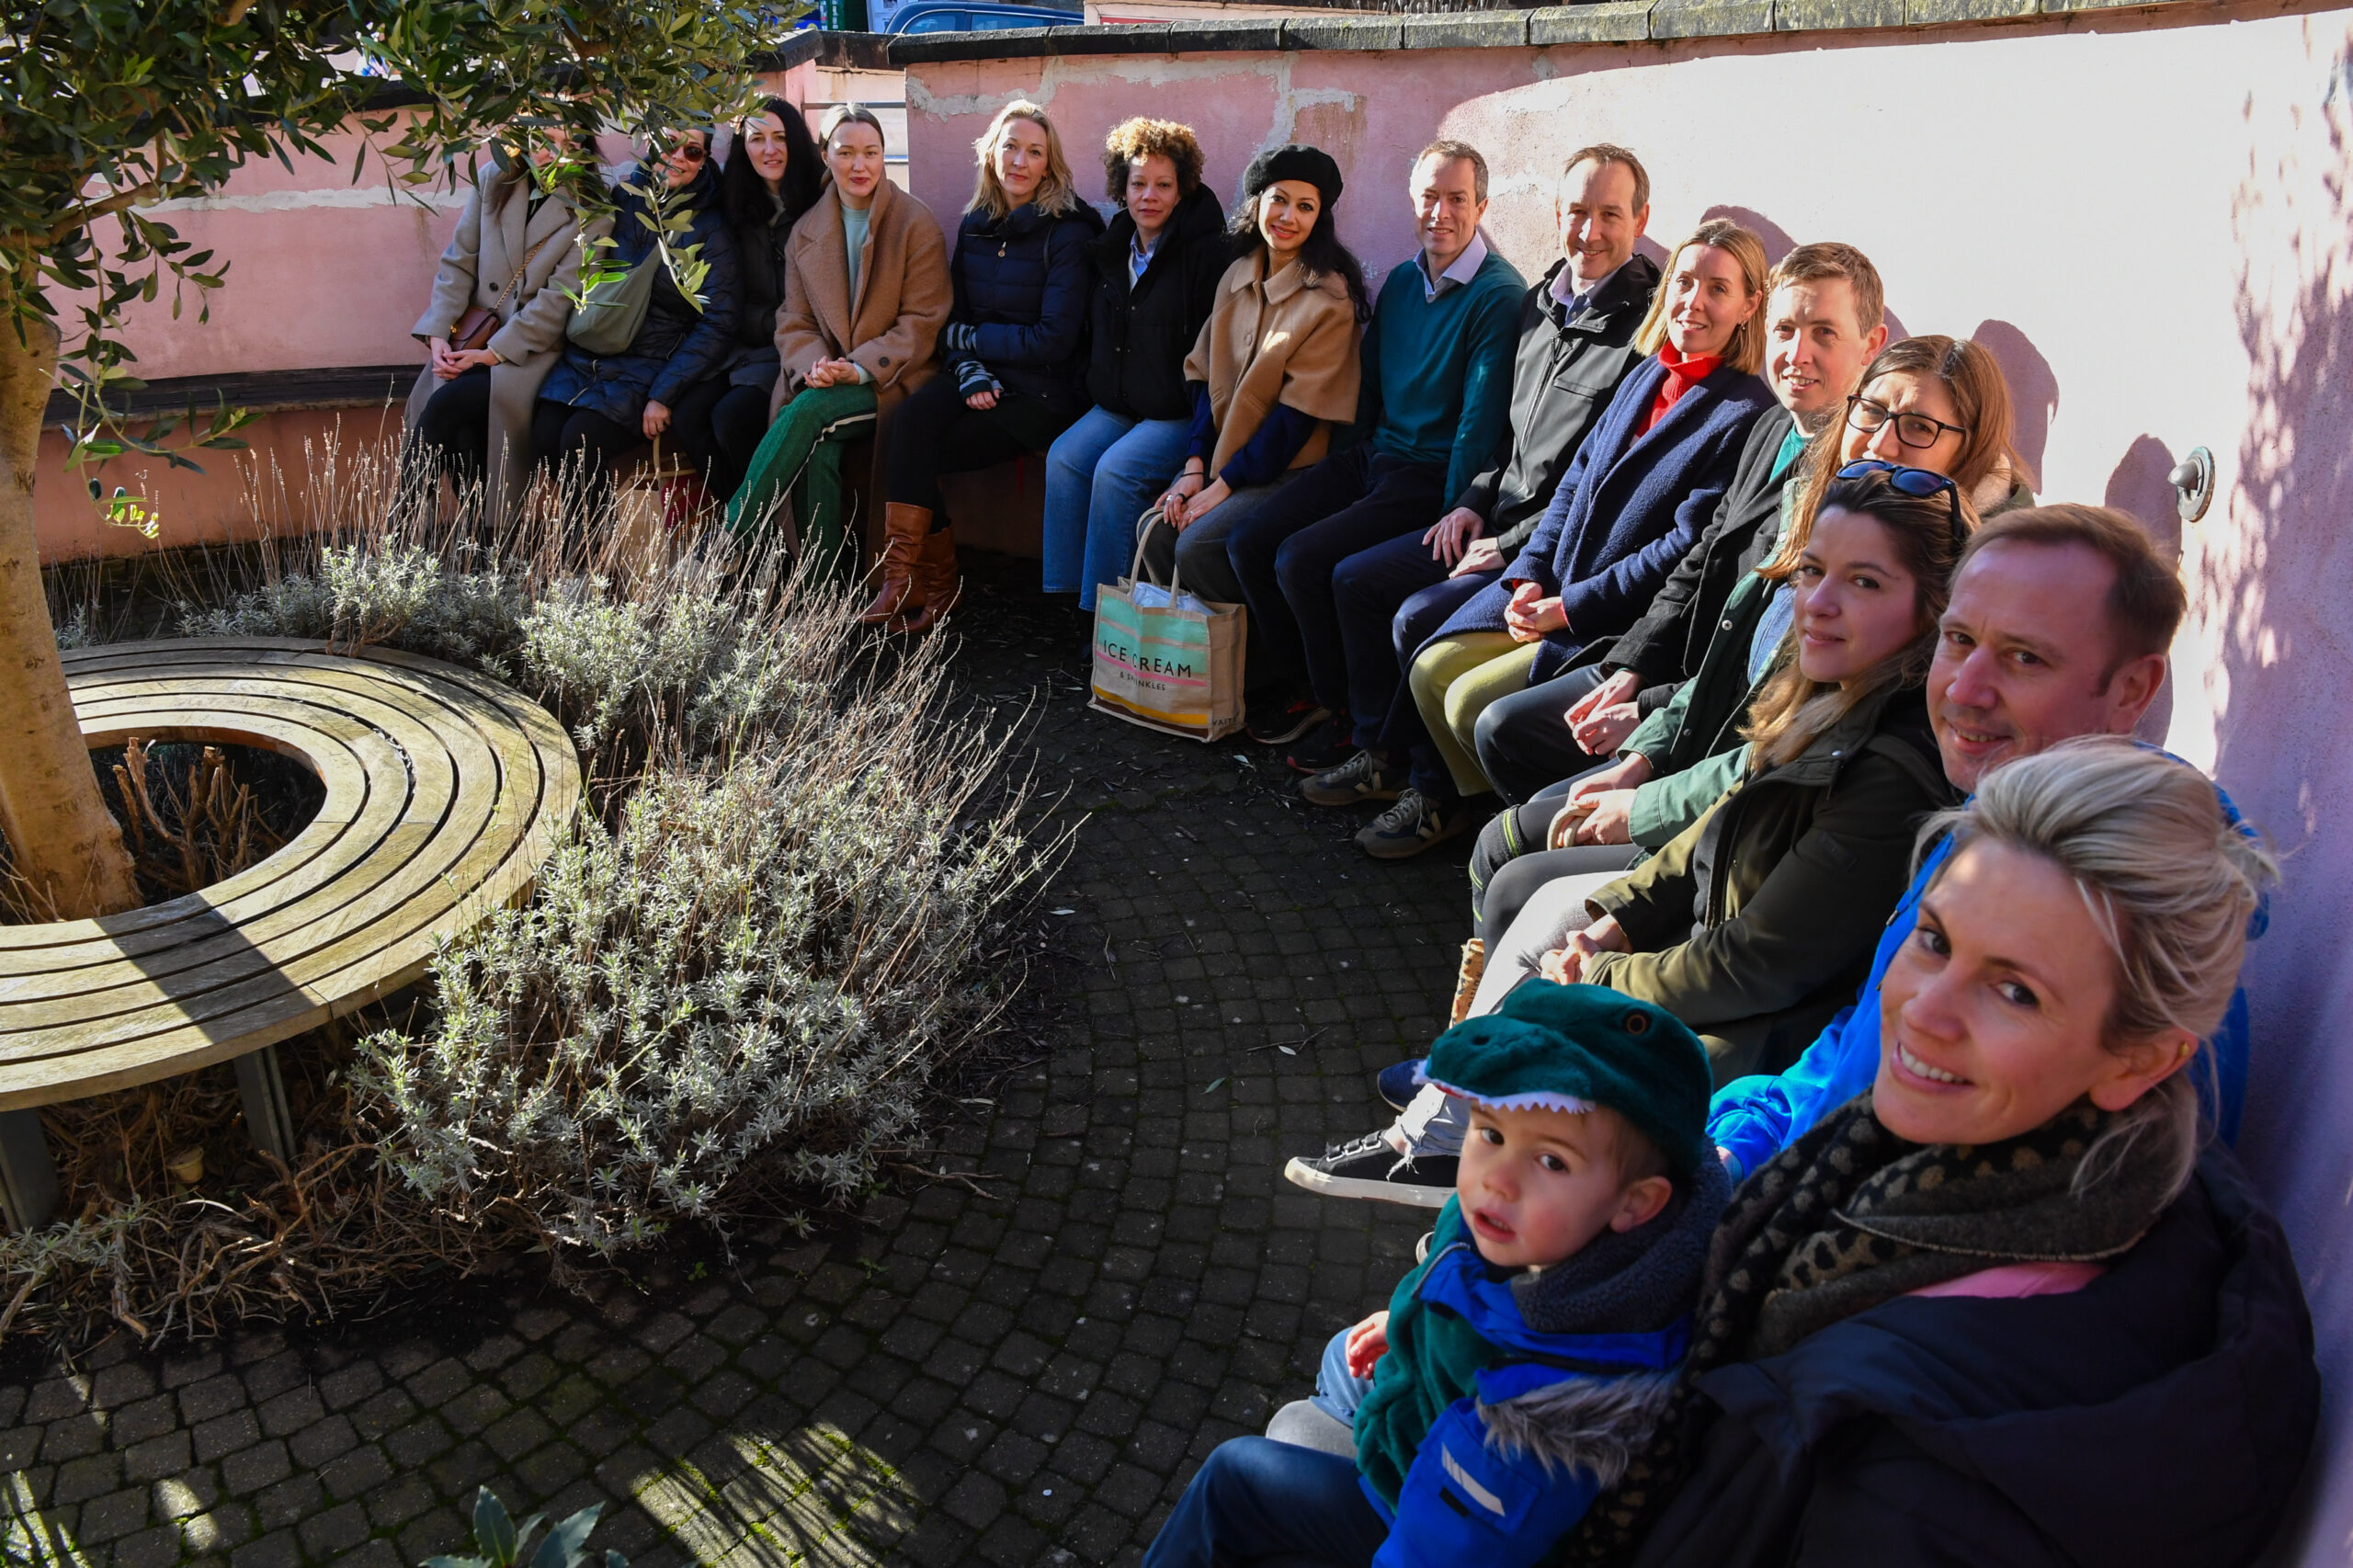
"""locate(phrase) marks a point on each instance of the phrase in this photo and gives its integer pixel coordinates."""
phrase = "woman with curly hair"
(1155, 277)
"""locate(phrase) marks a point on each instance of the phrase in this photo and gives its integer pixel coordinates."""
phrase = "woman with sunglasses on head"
(1939, 405)
(864, 295)
(771, 178)
(595, 410)
(1755, 923)
(1014, 350)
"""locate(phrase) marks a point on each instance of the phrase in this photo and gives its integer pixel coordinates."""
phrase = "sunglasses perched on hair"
(1918, 483)
(1914, 430)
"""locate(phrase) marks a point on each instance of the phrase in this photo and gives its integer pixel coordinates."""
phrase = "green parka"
(1756, 923)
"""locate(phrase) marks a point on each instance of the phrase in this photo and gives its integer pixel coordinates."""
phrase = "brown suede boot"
(937, 585)
(1466, 982)
(905, 529)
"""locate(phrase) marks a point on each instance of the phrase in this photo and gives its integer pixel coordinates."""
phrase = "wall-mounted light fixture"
(2193, 484)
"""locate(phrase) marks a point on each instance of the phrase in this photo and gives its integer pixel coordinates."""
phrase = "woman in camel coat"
(865, 292)
(516, 253)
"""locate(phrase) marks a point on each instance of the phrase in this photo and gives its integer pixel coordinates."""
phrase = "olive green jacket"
(1693, 741)
(1756, 923)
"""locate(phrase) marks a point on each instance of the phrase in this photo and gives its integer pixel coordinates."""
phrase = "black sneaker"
(1412, 825)
(1368, 1167)
(1272, 721)
(1321, 749)
(1364, 776)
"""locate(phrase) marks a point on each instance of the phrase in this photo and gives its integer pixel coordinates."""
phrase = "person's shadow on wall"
(2142, 488)
(2034, 390)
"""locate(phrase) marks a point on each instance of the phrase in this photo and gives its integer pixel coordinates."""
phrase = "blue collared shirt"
(1574, 299)
(1464, 268)
(1139, 257)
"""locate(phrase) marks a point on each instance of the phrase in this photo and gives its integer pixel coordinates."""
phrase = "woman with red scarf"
(1640, 488)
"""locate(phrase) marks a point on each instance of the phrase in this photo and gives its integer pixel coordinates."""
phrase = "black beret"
(1294, 160)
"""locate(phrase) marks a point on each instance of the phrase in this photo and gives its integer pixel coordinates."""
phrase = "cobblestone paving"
(1020, 1365)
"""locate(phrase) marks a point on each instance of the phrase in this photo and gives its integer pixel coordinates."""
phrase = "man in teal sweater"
(1434, 405)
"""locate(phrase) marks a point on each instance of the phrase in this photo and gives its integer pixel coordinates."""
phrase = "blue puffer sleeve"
(1061, 325)
(1465, 1503)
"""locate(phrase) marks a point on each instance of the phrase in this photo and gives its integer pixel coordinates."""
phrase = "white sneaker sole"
(1300, 1173)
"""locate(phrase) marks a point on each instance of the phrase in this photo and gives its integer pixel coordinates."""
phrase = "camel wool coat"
(496, 232)
(1279, 339)
(890, 328)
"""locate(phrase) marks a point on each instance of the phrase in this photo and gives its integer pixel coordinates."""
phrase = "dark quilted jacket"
(1023, 280)
(678, 345)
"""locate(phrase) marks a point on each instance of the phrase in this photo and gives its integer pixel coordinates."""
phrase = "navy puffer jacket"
(678, 346)
(1023, 281)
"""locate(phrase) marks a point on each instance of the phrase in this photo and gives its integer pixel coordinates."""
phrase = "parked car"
(977, 15)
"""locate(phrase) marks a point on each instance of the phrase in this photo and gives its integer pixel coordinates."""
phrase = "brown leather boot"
(1466, 980)
(937, 585)
(904, 530)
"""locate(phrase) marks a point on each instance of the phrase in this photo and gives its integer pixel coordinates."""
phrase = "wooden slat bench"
(444, 793)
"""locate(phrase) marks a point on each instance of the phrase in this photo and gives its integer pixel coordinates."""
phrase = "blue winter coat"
(1627, 510)
(678, 345)
(1025, 280)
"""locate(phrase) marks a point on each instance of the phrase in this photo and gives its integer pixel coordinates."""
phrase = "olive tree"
(110, 107)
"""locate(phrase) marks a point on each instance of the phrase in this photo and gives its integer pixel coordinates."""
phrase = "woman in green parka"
(1754, 925)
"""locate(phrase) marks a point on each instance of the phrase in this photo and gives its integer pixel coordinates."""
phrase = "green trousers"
(802, 455)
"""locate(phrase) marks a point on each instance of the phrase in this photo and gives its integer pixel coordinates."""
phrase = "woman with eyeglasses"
(771, 178)
(1756, 923)
(1947, 399)
(596, 410)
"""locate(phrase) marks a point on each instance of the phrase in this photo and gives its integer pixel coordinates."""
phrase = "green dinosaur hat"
(1574, 1047)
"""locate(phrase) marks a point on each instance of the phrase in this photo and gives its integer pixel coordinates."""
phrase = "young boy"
(1525, 1360)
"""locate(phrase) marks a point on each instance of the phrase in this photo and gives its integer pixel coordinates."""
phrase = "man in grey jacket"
(1576, 332)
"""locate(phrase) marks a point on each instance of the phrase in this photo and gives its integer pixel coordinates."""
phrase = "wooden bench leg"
(269, 1117)
(27, 1179)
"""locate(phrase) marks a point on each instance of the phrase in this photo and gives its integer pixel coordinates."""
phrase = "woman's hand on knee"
(1366, 1344)
(1612, 819)
(984, 400)
(656, 418)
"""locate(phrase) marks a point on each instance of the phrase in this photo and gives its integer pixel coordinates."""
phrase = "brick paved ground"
(1021, 1366)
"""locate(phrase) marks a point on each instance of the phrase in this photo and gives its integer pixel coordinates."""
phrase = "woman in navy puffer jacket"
(596, 411)
(1015, 348)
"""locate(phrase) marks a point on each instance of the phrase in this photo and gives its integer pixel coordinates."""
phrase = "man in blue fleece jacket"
(2020, 666)
(1434, 403)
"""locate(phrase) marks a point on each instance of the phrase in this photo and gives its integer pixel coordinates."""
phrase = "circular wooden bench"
(445, 791)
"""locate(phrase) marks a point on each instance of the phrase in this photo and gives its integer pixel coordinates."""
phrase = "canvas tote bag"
(1164, 665)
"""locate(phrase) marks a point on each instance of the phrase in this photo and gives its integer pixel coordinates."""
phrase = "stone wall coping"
(1596, 21)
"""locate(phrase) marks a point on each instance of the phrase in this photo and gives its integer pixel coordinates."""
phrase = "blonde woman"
(864, 295)
(1014, 350)
(2001, 1307)
(1640, 488)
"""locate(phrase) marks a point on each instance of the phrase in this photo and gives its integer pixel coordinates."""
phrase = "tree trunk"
(65, 843)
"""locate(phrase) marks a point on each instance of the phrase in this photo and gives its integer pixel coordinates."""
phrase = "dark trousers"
(1510, 862)
(582, 442)
(1284, 554)
(1401, 728)
(1523, 742)
(1258, 1500)
(1367, 590)
(717, 428)
(454, 426)
(935, 433)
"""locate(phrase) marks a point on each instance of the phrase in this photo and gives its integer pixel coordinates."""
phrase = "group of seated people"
(1830, 1150)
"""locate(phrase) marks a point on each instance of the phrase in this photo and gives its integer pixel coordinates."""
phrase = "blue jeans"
(1258, 1500)
(1101, 475)
(1338, 1391)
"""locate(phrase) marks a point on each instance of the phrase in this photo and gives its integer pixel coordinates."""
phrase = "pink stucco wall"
(2144, 217)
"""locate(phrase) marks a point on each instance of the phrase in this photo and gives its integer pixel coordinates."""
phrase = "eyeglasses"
(1914, 430)
(1919, 483)
(692, 151)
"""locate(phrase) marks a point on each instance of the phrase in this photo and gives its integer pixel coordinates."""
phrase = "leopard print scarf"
(1850, 1216)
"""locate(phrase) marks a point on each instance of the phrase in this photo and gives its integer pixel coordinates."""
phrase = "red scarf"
(1683, 372)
